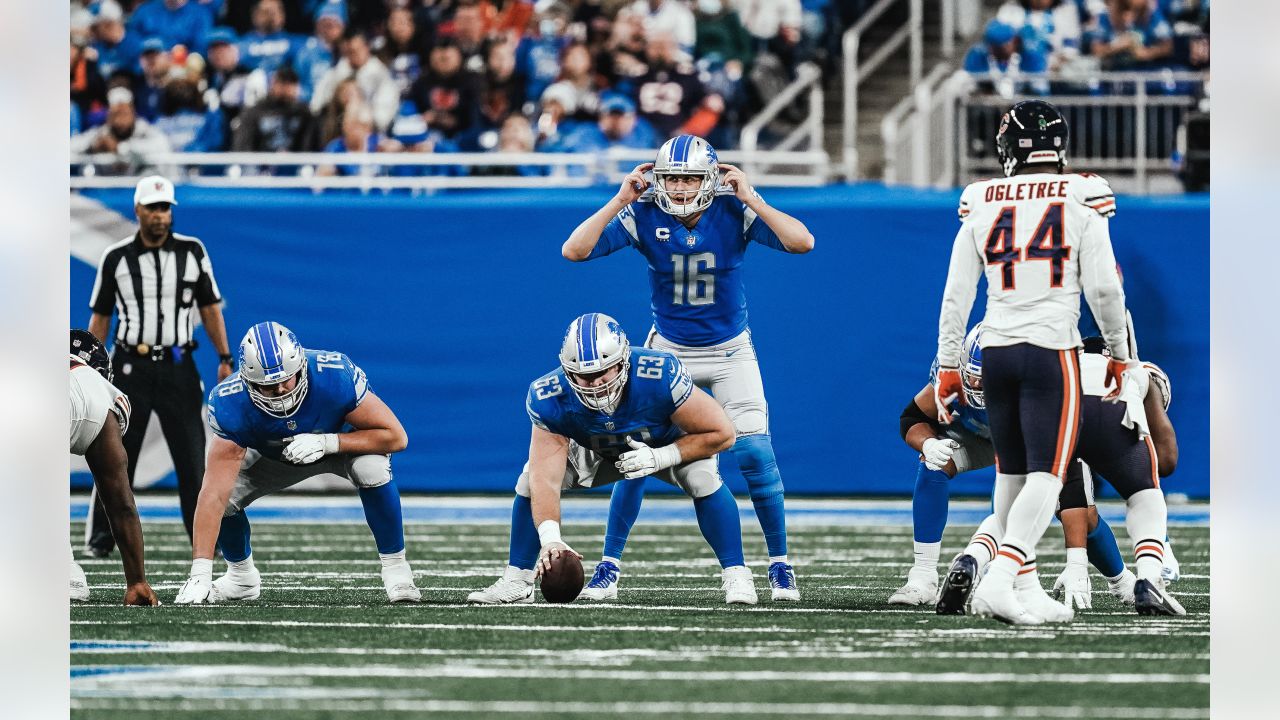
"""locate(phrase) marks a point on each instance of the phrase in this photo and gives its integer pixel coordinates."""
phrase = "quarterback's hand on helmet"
(140, 594)
(937, 452)
(550, 552)
(947, 390)
(736, 179)
(634, 184)
(643, 460)
(1072, 587)
(1115, 376)
(306, 449)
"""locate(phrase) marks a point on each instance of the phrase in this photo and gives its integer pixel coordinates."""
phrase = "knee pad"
(758, 464)
(369, 471)
(522, 484)
(701, 480)
(748, 418)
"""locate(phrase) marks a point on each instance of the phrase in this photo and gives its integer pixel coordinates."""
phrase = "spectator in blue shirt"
(411, 135)
(175, 22)
(358, 136)
(1131, 35)
(185, 121)
(538, 57)
(1000, 58)
(267, 46)
(316, 55)
(118, 49)
(618, 126)
(148, 90)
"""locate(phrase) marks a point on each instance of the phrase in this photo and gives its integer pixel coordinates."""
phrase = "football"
(563, 582)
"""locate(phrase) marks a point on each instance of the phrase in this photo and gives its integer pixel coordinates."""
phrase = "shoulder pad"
(1094, 192)
(967, 198)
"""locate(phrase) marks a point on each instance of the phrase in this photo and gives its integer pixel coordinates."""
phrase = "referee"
(156, 280)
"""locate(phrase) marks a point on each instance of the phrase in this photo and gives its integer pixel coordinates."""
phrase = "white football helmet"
(686, 155)
(269, 355)
(594, 343)
(971, 369)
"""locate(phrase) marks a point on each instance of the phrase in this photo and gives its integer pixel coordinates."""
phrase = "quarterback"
(693, 226)
(613, 412)
(289, 414)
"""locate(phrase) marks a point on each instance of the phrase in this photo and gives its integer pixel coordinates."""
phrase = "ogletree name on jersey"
(998, 192)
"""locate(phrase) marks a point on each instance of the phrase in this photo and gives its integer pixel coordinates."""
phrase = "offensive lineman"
(693, 226)
(611, 411)
(287, 415)
(99, 417)
(1041, 235)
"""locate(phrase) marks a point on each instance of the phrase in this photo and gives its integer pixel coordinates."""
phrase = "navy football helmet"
(91, 351)
(1032, 132)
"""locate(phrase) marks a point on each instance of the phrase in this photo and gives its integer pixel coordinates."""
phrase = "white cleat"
(739, 586)
(921, 588)
(1171, 571)
(604, 582)
(398, 581)
(237, 585)
(1122, 587)
(1037, 602)
(1001, 604)
(515, 586)
(79, 584)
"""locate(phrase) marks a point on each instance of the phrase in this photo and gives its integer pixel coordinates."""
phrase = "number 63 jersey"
(695, 277)
(1041, 239)
(335, 387)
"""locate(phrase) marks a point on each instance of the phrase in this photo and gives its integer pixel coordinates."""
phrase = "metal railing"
(1122, 123)
(857, 71)
(413, 171)
(808, 77)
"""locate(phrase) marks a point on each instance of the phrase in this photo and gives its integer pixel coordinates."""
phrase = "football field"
(322, 642)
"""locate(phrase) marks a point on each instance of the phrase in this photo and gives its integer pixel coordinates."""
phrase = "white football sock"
(986, 541)
(778, 559)
(241, 567)
(1004, 492)
(390, 559)
(1029, 517)
(616, 561)
(926, 555)
(1028, 575)
(1147, 523)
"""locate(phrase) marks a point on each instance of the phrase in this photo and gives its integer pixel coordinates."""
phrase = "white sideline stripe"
(287, 699)
(223, 672)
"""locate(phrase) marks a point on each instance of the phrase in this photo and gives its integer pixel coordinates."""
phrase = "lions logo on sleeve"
(681, 382)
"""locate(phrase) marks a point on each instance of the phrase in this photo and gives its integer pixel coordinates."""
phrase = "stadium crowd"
(431, 75)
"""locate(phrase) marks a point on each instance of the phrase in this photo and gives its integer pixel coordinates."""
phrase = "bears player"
(287, 415)
(613, 412)
(693, 226)
(1041, 236)
(99, 417)
(962, 446)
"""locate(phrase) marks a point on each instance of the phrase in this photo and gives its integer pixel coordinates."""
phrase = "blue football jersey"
(657, 385)
(695, 275)
(335, 387)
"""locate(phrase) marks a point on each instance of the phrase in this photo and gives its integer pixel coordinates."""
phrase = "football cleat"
(1151, 599)
(515, 586)
(234, 586)
(397, 579)
(1033, 597)
(782, 579)
(604, 583)
(959, 583)
(1170, 572)
(1122, 587)
(921, 588)
(79, 584)
(739, 585)
(1001, 603)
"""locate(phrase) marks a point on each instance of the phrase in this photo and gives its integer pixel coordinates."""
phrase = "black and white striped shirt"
(156, 291)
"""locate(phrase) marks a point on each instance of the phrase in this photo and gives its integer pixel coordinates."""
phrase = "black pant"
(173, 391)
(1033, 407)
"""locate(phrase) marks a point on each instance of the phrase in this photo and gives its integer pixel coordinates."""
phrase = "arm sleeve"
(1101, 284)
(957, 297)
(206, 287)
(619, 233)
(758, 231)
(103, 298)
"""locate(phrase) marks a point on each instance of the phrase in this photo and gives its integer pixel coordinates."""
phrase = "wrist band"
(549, 532)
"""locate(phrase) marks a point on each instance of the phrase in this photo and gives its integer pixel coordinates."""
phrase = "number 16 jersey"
(695, 274)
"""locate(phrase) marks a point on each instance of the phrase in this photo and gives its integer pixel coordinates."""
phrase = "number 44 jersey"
(335, 387)
(695, 274)
(1040, 239)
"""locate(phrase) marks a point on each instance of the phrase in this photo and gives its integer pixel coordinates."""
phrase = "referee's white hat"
(153, 189)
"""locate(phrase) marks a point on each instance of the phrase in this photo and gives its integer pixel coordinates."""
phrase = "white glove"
(643, 460)
(198, 589)
(306, 449)
(1074, 584)
(937, 453)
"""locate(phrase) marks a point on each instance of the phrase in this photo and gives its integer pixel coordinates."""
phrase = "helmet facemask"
(604, 397)
(702, 197)
(971, 369)
(686, 155)
(282, 405)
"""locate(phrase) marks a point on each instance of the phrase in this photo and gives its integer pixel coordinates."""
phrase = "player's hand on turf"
(937, 452)
(550, 552)
(1072, 587)
(306, 449)
(736, 179)
(197, 590)
(946, 391)
(140, 594)
(634, 184)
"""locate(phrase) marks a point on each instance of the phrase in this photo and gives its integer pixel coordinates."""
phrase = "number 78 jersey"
(1041, 239)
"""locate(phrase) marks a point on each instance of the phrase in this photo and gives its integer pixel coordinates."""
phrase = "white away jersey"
(1041, 239)
(92, 397)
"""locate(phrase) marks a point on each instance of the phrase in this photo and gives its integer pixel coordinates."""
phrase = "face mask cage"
(701, 200)
(605, 397)
(281, 405)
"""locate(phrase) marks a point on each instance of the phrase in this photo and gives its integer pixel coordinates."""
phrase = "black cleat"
(957, 586)
(98, 551)
(1150, 599)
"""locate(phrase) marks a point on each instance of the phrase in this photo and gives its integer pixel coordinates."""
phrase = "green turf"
(322, 642)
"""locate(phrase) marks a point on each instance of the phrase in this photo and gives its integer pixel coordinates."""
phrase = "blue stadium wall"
(453, 303)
